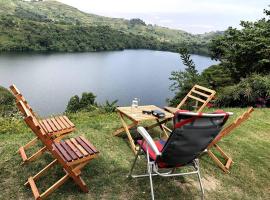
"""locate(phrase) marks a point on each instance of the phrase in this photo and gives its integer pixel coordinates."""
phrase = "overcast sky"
(195, 16)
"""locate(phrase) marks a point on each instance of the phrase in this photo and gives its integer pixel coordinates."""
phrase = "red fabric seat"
(152, 155)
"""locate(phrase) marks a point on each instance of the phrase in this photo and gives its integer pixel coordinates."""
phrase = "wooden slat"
(74, 149)
(55, 186)
(49, 129)
(200, 93)
(60, 123)
(23, 154)
(205, 89)
(63, 152)
(51, 125)
(69, 150)
(84, 145)
(196, 98)
(64, 122)
(33, 187)
(228, 164)
(59, 128)
(79, 146)
(43, 126)
(58, 152)
(68, 121)
(89, 144)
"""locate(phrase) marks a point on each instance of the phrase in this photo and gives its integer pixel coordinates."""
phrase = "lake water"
(49, 80)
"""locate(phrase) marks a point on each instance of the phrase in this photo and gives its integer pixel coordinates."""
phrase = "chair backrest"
(201, 95)
(34, 124)
(192, 134)
(228, 129)
(19, 97)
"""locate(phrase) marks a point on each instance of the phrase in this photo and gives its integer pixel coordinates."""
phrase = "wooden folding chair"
(201, 95)
(72, 154)
(55, 127)
(228, 160)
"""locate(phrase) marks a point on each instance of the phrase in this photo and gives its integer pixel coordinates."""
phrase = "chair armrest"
(149, 140)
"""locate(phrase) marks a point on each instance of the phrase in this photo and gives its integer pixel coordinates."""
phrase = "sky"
(194, 16)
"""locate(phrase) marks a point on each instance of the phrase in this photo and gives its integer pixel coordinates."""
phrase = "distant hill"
(54, 26)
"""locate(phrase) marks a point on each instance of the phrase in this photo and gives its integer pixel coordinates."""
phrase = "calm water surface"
(49, 80)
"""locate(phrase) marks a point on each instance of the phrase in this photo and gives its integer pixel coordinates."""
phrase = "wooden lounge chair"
(55, 127)
(199, 94)
(191, 135)
(72, 154)
(227, 130)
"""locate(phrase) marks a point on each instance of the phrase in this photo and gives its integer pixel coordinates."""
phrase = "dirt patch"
(209, 183)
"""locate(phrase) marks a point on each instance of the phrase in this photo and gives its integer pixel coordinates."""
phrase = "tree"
(183, 81)
(244, 51)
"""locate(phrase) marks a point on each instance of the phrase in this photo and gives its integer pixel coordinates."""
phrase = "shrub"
(251, 91)
(87, 102)
(110, 107)
(7, 103)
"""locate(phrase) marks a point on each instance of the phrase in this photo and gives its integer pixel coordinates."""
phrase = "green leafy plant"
(251, 91)
(86, 102)
(183, 81)
(109, 107)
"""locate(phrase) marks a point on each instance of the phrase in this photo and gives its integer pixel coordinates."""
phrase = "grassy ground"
(106, 176)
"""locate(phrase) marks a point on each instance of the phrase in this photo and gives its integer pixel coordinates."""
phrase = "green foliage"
(86, 102)
(53, 26)
(136, 21)
(216, 77)
(244, 51)
(251, 91)
(183, 81)
(7, 103)
(109, 107)
(73, 104)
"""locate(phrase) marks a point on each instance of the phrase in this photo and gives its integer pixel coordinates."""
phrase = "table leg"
(126, 128)
(162, 128)
(120, 130)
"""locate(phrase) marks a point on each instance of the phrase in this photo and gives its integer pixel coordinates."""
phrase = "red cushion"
(152, 155)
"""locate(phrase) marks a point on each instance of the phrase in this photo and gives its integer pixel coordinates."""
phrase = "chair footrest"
(228, 164)
(34, 188)
(23, 154)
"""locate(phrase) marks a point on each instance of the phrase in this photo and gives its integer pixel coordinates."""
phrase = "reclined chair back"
(34, 124)
(192, 133)
(223, 160)
(19, 97)
(200, 94)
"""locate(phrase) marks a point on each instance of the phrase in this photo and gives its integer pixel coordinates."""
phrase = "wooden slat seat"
(72, 154)
(74, 149)
(57, 125)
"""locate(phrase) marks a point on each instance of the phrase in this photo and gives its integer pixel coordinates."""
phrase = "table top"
(137, 115)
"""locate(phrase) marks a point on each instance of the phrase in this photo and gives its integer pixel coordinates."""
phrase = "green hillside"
(53, 26)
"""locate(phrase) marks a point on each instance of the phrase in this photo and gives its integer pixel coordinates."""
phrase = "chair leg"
(197, 167)
(151, 181)
(150, 167)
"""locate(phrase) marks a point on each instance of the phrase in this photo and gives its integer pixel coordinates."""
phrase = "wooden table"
(136, 116)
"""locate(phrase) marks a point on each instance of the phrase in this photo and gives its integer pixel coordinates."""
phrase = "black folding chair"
(192, 133)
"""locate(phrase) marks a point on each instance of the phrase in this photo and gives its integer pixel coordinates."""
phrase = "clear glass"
(135, 104)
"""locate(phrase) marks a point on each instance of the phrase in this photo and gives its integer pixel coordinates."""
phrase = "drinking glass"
(134, 105)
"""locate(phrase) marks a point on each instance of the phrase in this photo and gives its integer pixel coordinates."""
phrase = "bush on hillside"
(86, 102)
(7, 103)
(251, 91)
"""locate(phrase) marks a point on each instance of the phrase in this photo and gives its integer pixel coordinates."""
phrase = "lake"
(49, 80)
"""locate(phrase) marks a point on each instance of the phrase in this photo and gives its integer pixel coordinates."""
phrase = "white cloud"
(191, 15)
(161, 6)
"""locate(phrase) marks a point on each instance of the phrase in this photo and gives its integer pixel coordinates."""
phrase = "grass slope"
(106, 176)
